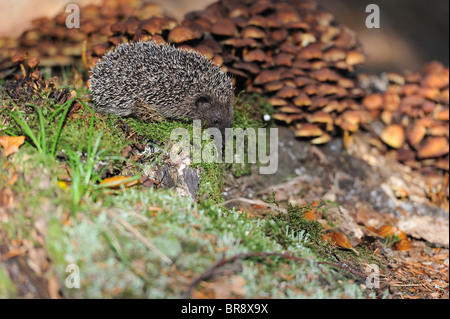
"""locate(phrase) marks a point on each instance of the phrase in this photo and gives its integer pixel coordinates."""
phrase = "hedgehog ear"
(202, 100)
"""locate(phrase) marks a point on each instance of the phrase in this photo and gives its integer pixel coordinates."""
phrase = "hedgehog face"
(215, 113)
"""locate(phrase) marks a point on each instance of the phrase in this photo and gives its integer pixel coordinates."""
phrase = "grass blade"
(61, 123)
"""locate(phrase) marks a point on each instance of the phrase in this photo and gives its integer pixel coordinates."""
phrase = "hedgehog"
(139, 77)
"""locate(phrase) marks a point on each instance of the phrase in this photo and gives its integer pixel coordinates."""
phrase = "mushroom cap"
(433, 147)
(393, 135)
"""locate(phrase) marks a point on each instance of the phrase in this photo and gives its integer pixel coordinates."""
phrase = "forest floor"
(83, 201)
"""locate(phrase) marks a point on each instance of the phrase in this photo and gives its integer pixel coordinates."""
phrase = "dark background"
(412, 32)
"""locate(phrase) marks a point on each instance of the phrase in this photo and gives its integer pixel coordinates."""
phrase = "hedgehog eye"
(215, 121)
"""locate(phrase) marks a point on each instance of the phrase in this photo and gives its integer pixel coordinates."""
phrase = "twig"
(208, 273)
(253, 202)
(144, 240)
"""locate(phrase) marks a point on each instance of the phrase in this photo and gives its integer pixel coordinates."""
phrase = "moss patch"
(145, 243)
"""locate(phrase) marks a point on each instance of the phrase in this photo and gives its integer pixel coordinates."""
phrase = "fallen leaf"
(309, 215)
(403, 245)
(117, 181)
(13, 179)
(63, 184)
(340, 240)
(389, 231)
(54, 288)
(11, 144)
(326, 238)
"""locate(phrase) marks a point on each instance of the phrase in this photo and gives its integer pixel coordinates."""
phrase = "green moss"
(73, 133)
(157, 132)
(287, 228)
(7, 289)
(249, 111)
(114, 262)
(211, 182)
(114, 237)
(391, 240)
(74, 136)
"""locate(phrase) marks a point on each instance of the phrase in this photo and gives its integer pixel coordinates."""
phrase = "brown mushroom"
(273, 86)
(33, 62)
(322, 139)
(224, 27)
(18, 57)
(205, 51)
(355, 58)
(253, 33)
(183, 34)
(433, 147)
(393, 135)
(308, 130)
(290, 109)
(288, 92)
(276, 101)
(284, 59)
(257, 21)
(334, 55)
(302, 100)
(441, 114)
(372, 101)
(267, 76)
(282, 117)
(256, 55)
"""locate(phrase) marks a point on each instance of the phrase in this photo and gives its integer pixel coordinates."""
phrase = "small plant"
(85, 177)
(40, 140)
(391, 240)
(83, 174)
(284, 227)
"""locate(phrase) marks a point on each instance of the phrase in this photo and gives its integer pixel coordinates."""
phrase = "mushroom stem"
(24, 72)
(83, 55)
(347, 139)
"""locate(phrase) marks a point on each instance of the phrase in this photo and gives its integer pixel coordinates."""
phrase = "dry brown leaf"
(390, 230)
(340, 240)
(11, 144)
(309, 215)
(54, 288)
(403, 245)
(13, 178)
(326, 237)
(117, 181)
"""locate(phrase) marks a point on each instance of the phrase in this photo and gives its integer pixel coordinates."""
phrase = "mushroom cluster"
(58, 42)
(413, 110)
(292, 51)
(30, 83)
